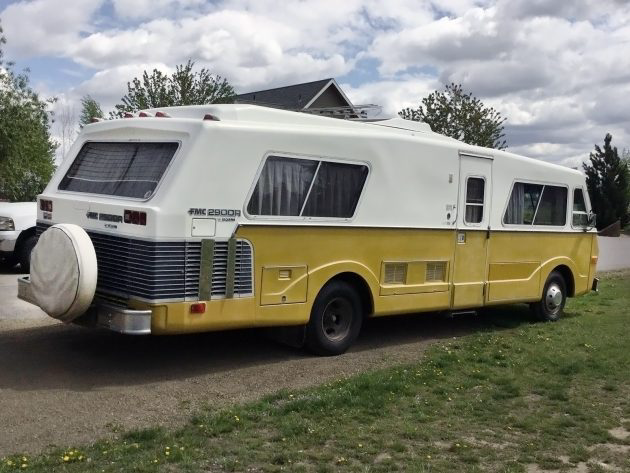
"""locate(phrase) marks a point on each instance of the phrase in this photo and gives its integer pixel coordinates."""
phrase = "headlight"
(6, 224)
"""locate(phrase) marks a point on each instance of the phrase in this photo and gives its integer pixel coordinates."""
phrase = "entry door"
(470, 272)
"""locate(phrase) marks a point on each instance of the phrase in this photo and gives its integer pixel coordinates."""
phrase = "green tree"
(183, 87)
(26, 149)
(90, 109)
(461, 116)
(608, 178)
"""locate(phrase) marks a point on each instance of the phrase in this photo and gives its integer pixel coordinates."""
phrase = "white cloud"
(43, 27)
(559, 71)
(392, 96)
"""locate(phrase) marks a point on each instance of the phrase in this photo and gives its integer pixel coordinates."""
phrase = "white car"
(17, 233)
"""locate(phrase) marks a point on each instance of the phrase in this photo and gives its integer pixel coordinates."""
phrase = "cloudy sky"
(558, 70)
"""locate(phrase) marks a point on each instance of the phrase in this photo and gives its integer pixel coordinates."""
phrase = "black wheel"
(336, 319)
(554, 296)
(24, 253)
(7, 262)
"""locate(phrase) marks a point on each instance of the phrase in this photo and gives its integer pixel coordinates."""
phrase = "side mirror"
(591, 220)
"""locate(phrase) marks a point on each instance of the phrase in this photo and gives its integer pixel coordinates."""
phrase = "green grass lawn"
(552, 396)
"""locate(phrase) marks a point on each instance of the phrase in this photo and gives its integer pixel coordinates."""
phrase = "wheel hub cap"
(337, 319)
(553, 298)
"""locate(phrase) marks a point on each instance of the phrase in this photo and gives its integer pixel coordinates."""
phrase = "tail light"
(135, 217)
(198, 308)
(45, 205)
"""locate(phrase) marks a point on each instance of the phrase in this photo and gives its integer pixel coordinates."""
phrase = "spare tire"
(64, 272)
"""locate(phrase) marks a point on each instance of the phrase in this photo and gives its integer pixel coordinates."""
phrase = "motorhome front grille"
(243, 269)
(151, 270)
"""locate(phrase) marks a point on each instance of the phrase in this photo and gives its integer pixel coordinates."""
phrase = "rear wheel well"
(567, 275)
(362, 288)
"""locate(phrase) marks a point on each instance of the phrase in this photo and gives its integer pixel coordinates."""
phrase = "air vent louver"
(395, 273)
(436, 270)
(243, 269)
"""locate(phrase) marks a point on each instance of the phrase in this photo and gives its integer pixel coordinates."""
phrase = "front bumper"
(101, 314)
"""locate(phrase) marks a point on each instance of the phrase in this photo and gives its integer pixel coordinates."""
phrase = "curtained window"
(308, 188)
(123, 169)
(282, 186)
(336, 190)
(552, 209)
(536, 204)
(522, 204)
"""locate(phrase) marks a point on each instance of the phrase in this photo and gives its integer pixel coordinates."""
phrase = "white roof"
(256, 113)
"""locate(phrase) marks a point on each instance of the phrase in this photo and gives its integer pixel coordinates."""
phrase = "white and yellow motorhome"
(203, 218)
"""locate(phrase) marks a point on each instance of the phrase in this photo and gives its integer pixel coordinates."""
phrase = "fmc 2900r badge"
(224, 215)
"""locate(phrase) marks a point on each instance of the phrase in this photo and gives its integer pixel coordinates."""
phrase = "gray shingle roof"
(290, 97)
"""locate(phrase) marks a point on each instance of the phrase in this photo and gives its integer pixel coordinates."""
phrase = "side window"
(336, 190)
(309, 188)
(282, 186)
(552, 209)
(580, 217)
(475, 191)
(522, 204)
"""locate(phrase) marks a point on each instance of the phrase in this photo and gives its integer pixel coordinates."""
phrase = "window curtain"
(552, 209)
(516, 206)
(282, 186)
(336, 190)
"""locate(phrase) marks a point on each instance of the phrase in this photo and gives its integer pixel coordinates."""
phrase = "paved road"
(67, 385)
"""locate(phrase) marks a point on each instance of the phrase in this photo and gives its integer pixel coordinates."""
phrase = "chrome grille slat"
(243, 269)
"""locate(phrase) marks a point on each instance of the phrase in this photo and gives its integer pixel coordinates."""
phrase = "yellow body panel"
(293, 263)
(283, 285)
(519, 263)
(469, 273)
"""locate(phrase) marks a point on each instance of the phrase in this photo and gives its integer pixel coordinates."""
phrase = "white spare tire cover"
(64, 271)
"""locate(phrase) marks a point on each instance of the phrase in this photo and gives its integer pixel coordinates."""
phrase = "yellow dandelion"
(66, 458)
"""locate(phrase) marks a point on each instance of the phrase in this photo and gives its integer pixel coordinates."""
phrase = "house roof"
(292, 97)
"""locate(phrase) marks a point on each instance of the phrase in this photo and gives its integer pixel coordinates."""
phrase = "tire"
(335, 321)
(551, 307)
(24, 253)
(8, 262)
